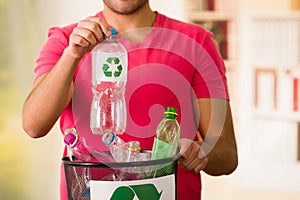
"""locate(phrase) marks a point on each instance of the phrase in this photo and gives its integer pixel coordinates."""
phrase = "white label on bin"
(162, 188)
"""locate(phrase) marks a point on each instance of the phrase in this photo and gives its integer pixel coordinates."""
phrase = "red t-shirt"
(176, 63)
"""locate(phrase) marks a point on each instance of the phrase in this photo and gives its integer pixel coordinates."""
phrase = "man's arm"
(217, 153)
(219, 143)
(52, 92)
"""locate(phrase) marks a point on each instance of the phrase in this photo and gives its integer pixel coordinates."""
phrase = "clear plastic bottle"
(109, 77)
(79, 149)
(133, 149)
(167, 136)
(118, 148)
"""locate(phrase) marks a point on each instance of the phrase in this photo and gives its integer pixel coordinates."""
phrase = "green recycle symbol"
(143, 192)
(112, 67)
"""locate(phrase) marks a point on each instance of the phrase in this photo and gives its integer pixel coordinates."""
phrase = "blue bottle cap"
(108, 138)
(113, 32)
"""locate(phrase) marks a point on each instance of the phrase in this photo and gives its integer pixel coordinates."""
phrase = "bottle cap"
(108, 138)
(171, 112)
(71, 139)
(113, 32)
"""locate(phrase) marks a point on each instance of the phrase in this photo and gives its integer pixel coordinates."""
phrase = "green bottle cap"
(171, 113)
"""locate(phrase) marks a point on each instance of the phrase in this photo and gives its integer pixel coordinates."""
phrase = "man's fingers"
(201, 165)
(195, 165)
(78, 40)
(86, 34)
(90, 28)
(184, 145)
(192, 157)
(102, 24)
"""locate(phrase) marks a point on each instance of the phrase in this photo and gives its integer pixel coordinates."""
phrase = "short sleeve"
(209, 79)
(51, 51)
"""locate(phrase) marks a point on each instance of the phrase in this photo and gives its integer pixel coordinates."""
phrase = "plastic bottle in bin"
(109, 77)
(133, 149)
(135, 154)
(117, 147)
(167, 136)
(128, 152)
(80, 150)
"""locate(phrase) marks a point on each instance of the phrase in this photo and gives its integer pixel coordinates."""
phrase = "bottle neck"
(170, 116)
(134, 147)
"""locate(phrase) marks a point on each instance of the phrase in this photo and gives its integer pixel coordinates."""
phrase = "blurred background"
(260, 43)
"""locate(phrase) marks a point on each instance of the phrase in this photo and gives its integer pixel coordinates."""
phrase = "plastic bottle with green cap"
(167, 136)
(109, 76)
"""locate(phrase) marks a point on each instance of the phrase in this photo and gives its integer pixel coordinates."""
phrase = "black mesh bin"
(147, 180)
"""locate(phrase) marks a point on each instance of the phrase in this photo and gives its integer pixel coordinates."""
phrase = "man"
(62, 57)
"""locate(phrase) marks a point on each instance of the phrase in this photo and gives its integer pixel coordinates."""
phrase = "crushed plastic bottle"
(81, 151)
(109, 77)
(128, 152)
(117, 147)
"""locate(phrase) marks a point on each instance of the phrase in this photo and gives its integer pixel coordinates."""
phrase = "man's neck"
(144, 17)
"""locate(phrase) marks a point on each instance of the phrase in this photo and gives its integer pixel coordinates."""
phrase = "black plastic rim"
(67, 161)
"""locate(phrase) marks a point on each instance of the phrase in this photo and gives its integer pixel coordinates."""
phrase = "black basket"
(79, 174)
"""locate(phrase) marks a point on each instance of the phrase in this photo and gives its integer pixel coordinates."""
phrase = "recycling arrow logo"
(142, 192)
(112, 67)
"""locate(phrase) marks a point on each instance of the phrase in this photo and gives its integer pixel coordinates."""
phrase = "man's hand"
(192, 157)
(87, 34)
